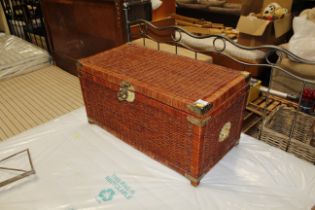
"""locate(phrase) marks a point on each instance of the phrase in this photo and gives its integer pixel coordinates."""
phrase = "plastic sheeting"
(19, 57)
(80, 166)
(302, 43)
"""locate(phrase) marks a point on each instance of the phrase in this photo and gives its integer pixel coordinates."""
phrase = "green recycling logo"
(106, 195)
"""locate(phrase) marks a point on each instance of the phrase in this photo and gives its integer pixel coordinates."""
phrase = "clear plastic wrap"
(302, 43)
(81, 166)
(19, 57)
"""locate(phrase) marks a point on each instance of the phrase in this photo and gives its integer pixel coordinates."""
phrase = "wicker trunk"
(184, 113)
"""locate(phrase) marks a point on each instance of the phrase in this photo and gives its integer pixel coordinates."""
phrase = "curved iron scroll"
(146, 26)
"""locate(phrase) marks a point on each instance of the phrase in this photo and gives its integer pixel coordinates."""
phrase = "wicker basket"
(277, 127)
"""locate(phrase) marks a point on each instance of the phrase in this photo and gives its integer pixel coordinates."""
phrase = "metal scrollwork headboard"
(176, 36)
(147, 30)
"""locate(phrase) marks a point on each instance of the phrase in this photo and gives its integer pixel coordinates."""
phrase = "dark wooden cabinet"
(80, 28)
(167, 8)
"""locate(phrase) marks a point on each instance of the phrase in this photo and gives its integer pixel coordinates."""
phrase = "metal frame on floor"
(23, 172)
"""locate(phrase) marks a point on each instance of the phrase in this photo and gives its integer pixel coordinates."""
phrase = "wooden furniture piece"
(3, 22)
(227, 13)
(184, 113)
(80, 28)
(167, 8)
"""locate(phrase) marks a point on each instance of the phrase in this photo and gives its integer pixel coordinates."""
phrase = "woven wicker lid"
(174, 80)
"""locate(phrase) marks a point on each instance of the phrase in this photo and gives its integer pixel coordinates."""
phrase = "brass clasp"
(126, 92)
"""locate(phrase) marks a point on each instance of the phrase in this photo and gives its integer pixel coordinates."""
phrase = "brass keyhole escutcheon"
(126, 92)
(225, 131)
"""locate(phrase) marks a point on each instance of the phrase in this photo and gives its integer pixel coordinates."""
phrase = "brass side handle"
(225, 131)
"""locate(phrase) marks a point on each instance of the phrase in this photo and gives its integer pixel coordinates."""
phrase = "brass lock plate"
(126, 92)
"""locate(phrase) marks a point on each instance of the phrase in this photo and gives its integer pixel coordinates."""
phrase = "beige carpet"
(35, 98)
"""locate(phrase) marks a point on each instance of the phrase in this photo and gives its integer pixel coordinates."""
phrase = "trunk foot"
(195, 183)
(91, 121)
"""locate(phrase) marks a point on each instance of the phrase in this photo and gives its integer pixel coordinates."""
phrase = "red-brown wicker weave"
(159, 121)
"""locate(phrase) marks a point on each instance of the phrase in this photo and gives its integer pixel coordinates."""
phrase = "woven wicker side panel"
(153, 128)
(274, 138)
(302, 150)
(213, 150)
(283, 119)
(277, 128)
